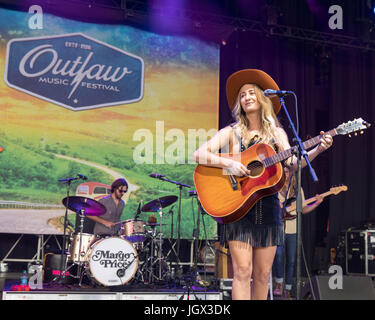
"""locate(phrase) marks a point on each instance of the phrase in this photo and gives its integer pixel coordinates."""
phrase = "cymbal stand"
(191, 279)
(79, 272)
(81, 221)
(68, 182)
(180, 186)
(160, 240)
(148, 265)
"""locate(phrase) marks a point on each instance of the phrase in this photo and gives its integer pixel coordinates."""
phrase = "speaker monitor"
(353, 288)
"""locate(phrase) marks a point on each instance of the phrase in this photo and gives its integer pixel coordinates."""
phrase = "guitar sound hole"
(256, 168)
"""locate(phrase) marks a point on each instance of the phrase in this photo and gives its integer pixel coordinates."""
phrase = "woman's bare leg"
(262, 265)
(242, 256)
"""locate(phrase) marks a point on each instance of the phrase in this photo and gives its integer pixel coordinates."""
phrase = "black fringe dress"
(262, 225)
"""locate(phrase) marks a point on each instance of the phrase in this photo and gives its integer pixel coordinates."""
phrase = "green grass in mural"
(29, 172)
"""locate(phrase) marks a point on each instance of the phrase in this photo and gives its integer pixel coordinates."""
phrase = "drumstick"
(124, 221)
(120, 222)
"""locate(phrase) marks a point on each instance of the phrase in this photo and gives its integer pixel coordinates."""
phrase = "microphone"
(68, 179)
(279, 93)
(156, 175)
(81, 176)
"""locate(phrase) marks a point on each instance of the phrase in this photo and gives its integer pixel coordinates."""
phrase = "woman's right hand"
(238, 169)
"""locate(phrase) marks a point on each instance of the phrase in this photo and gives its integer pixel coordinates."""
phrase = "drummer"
(105, 225)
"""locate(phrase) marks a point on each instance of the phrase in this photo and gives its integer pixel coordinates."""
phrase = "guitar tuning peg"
(350, 135)
(361, 132)
(356, 134)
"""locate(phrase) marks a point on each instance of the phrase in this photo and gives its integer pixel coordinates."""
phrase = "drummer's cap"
(118, 183)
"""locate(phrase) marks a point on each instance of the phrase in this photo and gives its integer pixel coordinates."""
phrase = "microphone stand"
(180, 186)
(300, 151)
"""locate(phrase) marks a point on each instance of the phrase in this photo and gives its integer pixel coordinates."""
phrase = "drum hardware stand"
(180, 185)
(171, 241)
(160, 245)
(80, 272)
(68, 182)
(194, 271)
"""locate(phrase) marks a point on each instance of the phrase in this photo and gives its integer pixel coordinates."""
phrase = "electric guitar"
(286, 213)
(227, 198)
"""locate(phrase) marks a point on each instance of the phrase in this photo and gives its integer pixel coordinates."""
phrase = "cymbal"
(89, 206)
(157, 204)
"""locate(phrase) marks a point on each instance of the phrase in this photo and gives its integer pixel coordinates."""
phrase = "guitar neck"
(292, 207)
(313, 199)
(288, 153)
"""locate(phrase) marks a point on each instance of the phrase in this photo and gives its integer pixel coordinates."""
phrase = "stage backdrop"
(104, 101)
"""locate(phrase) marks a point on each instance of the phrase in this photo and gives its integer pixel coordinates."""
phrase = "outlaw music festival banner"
(102, 102)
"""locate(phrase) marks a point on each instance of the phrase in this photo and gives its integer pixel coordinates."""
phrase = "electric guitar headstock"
(338, 189)
(353, 127)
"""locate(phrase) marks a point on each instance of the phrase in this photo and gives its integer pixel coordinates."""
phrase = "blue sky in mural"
(188, 52)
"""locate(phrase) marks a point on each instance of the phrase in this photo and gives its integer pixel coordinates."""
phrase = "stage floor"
(134, 292)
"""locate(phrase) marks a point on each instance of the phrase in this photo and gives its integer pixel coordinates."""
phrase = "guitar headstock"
(353, 126)
(338, 189)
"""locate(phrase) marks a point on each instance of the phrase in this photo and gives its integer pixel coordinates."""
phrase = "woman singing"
(253, 239)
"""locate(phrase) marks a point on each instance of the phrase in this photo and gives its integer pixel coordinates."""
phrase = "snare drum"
(112, 261)
(133, 230)
(76, 254)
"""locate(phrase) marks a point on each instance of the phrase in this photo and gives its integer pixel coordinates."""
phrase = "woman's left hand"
(325, 142)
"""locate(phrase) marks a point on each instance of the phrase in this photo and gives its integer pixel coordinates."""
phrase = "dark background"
(331, 72)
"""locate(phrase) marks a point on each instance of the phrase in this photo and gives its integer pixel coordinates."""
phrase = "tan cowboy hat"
(250, 76)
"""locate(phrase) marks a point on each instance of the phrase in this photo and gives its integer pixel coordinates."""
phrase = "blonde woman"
(253, 239)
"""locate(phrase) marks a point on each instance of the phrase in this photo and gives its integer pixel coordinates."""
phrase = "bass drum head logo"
(74, 71)
(113, 261)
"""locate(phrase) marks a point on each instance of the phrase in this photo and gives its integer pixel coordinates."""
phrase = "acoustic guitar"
(227, 198)
(286, 213)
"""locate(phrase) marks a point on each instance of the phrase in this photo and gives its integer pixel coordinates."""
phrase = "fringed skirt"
(260, 227)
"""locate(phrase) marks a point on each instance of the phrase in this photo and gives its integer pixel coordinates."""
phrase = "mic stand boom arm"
(300, 152)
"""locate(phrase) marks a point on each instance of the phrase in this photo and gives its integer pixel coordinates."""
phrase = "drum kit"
(135, 254)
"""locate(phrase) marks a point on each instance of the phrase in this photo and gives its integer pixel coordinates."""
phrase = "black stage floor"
(54, 289)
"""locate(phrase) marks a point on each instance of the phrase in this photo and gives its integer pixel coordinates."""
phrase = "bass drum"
(112, 261)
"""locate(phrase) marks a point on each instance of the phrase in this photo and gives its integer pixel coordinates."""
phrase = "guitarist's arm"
(206, 154)
(325, 143)
(310, 207)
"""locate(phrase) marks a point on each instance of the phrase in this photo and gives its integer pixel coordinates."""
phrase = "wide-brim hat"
(250, 76)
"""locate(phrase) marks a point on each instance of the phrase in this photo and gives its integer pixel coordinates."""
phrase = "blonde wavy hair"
(269, 125)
